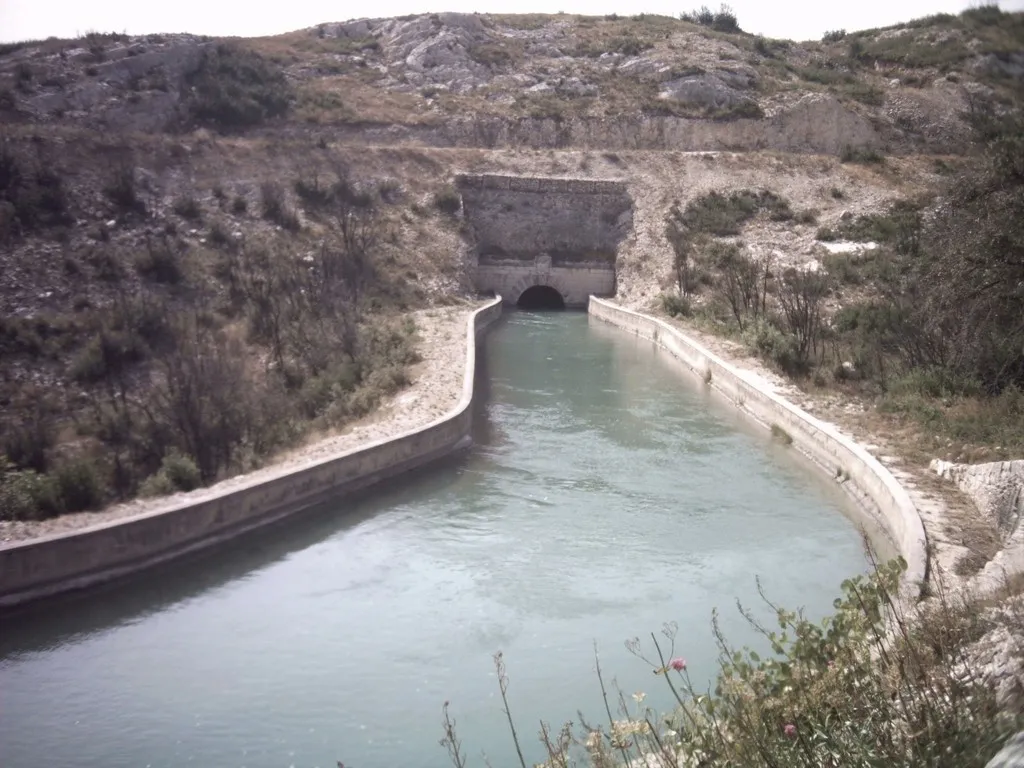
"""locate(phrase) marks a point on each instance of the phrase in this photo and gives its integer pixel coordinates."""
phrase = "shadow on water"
(52, 621)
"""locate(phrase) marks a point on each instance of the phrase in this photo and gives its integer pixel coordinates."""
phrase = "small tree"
(680, 238)
(802, 300)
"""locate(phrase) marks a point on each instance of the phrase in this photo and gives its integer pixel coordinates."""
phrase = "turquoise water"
(606, 495)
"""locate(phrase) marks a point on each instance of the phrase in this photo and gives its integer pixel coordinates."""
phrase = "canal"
(607, 493)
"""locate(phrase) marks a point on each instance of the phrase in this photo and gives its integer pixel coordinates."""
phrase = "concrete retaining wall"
(59, 563)
(870, 482)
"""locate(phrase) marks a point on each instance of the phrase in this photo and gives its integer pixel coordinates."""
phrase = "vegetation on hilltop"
(701, 65)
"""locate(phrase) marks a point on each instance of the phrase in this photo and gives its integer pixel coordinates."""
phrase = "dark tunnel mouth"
(540, 297)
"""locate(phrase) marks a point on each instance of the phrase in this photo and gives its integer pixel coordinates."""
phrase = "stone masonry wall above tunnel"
(558, 232)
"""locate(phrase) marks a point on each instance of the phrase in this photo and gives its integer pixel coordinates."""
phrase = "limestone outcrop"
(997, 488)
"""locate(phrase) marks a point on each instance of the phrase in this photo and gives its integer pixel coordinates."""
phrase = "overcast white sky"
(794, 19)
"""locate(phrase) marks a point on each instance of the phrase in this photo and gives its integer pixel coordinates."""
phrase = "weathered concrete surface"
(63, 562)
(997, 489)
(576, 284)
(560, 232)
(867, 480)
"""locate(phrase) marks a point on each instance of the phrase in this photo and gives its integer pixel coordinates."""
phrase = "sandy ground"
(436, 388)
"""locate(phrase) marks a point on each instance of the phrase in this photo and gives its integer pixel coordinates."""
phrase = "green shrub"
(232, 88)
(866, 94)
(181, 471)
(723, 215)
(313, 193)
(746, 109)
(775, 345)
(807, 216)
(32, 192)
(676, 305)
(157, 484)
(122, 190)
(863, 155)
(108, 353)
(448, 201)
(161, 262)
(26, 494)
(219, 235)
(187, 206)
(177, 473)
(490, 54)
(275, 208)
(724, 20)
(79, 485)
(899, 227)
(833, 36)
(239, 205)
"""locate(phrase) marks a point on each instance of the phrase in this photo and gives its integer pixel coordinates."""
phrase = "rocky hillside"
(483, 80)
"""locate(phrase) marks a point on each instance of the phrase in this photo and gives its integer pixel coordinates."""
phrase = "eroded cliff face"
(997, 489)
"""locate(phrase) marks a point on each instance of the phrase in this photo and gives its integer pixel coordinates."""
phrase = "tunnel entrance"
(540, 297)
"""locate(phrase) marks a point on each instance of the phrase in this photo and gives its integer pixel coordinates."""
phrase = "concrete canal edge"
(50, 565)
(874, 487)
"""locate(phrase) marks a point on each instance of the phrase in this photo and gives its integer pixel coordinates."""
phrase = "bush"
(181, 471)
(106, 354)
(26, 494)
(676, 305)
(858, 688)
(161, 262)
(79, 485)
(232, 88)
(833, 36)
(275, 208)
(32, 193)
(187, 206)
(775, 345)
(122, 191)
(863, 155)
(313, 193)
(218, 235)
(239, 205)
(722, 21)
(723, 215)
(448, 201)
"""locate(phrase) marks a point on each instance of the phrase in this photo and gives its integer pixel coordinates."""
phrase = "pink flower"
(678, 664)
(790, 730)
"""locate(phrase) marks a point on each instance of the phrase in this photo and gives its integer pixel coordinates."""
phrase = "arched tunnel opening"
(540, 297)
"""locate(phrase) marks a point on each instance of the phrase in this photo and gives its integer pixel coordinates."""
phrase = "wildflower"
(678, 664)
(639, 697)
(790, 730)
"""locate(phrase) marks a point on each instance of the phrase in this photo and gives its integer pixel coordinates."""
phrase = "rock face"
(997, 488)
(1011, 755)
(709, 90)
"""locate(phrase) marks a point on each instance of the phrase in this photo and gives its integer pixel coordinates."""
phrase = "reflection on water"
(605, 495)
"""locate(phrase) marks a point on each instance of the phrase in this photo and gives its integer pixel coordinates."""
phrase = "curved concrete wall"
(53, 564)
(870, 482)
